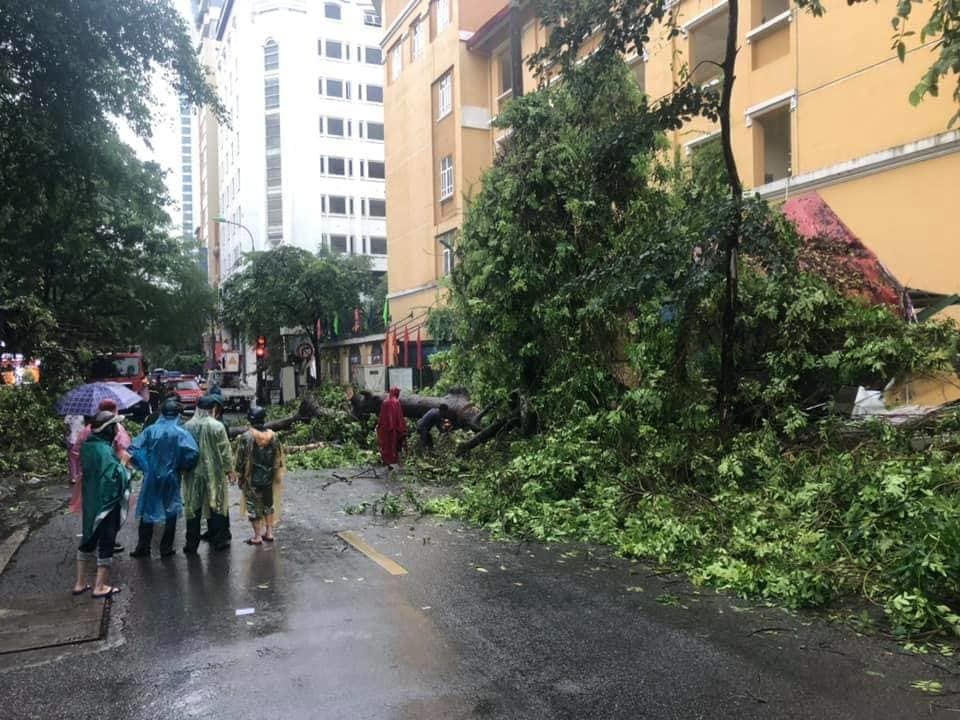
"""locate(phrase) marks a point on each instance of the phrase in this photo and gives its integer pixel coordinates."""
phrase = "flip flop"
(251, 542)
(109, 593)
(268, 539)
(82, 591)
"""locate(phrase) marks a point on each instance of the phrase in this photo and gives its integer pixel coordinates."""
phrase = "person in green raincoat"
(205, 486)
(106, 494)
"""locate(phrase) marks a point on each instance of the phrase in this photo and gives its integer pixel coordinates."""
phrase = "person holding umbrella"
(106, 491)
(163, 451)
(121, 442)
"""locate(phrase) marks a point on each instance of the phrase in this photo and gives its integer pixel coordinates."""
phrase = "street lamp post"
(253, 248)
(223, 221)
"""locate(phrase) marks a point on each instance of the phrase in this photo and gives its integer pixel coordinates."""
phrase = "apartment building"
(437, 112)
(302, 159)
(819, 105)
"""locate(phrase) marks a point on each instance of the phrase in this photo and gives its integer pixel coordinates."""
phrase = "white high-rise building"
(302, 161)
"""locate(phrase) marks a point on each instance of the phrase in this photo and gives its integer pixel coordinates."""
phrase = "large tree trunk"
(492, 430)
(463, 412)
(308, 411)
(727, 389)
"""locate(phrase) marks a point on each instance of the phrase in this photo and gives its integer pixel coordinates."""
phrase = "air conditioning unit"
(373, 20)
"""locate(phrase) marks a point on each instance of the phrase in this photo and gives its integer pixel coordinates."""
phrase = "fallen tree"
(307, 411)
(463, 413)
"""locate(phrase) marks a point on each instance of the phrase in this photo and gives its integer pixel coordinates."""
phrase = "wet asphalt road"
(476, 629)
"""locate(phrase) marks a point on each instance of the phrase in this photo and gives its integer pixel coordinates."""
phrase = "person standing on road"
(121, 443)
(106, 490)
(162, 452)
(391, 429)
(260, 466)
(433, 418)
(205, 486)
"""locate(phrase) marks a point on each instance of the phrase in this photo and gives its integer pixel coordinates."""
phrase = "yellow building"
(819, 104)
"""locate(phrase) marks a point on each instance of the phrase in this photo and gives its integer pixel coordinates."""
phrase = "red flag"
(419, 351)
(356, 320)
(319, 329)
(406, 345)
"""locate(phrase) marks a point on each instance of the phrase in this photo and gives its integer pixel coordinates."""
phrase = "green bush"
(32, 436)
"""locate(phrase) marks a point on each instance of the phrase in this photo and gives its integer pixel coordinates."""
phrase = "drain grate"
(37, 622)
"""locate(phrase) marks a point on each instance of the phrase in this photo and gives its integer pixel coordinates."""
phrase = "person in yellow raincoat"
(260, 468)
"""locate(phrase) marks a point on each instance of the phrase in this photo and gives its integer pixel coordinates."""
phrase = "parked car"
(187, 392)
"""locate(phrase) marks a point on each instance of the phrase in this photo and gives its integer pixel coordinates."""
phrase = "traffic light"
(261, 347)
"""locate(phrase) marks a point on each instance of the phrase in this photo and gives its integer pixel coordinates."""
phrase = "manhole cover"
(32, 623)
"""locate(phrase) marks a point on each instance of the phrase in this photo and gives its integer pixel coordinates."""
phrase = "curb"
(10, 547)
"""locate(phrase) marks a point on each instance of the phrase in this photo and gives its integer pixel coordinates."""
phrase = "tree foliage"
(588, 284)
(289, 287)
(82, 226)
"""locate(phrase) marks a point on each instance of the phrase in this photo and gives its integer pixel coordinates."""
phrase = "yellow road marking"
(358, 543)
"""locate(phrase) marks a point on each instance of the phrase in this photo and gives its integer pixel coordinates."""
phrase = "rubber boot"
(220, 534)
(193, 536)
(144, 539)
(169, 534)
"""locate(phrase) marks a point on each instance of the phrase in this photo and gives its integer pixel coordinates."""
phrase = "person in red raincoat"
(392, 428)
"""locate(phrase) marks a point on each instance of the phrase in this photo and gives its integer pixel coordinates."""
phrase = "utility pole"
(516, 48)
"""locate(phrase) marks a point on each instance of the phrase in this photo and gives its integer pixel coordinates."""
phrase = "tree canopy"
(289, 287)
(83, 229)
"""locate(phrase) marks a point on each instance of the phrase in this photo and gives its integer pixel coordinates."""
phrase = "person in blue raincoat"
(162, 452)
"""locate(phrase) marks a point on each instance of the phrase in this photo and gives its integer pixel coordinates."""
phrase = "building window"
(375, 93)
(505, 66)
(273, 131)
(331, 11)
(446, 178)
(273, 172)
(376, 354)
(336, 166)
(271, 93)
(378, 246)
(377, 208)
(443, 15)
(274, 211)
(338, 243)
(372, 19)
(372, 56)
(337, 205)
(774, 127)
(375, 131)
(708, 41)
(396, 60)
(445, 96)
(271, 56)
(447, 256)
(333, 50)
(335, 89)
(376, 170)
(765, 10)
(336, 127)
(417, 43)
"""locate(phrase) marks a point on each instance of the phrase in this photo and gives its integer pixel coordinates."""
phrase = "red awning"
(833, 252)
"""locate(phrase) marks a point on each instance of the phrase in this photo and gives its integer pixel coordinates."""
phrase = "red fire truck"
(126, 368)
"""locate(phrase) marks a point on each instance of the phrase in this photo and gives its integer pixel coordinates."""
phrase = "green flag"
(386, 312)
(336, 324)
